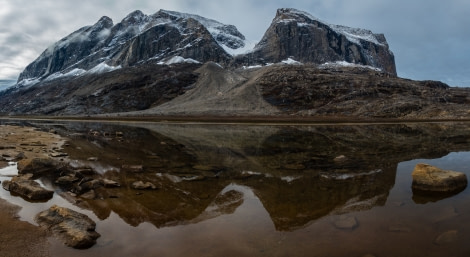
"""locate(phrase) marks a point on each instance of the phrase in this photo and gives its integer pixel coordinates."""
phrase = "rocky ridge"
(138, 38)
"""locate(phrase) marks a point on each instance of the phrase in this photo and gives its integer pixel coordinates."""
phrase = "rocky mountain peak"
(300, 36)
(227, 36)
(290, 13)
(134, 18)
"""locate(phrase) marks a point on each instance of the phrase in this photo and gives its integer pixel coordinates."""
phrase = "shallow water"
(246, 190)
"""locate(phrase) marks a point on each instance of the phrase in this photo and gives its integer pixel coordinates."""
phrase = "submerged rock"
(446, 237)
(427, 178)
(27, 188)
(346, 222)
(75, 229)
(142, 186)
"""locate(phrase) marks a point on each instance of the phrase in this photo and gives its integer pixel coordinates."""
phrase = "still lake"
(265, 190)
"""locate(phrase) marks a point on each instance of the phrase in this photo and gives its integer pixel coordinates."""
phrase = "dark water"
(239, 190)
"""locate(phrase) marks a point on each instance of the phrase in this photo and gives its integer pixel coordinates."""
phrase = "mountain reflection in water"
(300, 174)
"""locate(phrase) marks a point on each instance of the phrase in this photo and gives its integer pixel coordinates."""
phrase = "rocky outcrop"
(75, 229)
(27, 188)
(427, 178)
(298, 35)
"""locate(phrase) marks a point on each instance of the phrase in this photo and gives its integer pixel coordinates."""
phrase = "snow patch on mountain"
(178, 59)
(291, 61)
(73, 73)
(249, 47)
(28, 82)
(339, 64)
(102, 68)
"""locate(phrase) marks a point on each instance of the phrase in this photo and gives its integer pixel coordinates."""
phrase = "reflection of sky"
(457, 161)
(9, 170)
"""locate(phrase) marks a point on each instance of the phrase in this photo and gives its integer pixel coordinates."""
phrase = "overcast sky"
(430, 38)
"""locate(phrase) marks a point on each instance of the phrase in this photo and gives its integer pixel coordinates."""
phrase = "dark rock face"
(75, 229)
(137, 38)
(298, 35)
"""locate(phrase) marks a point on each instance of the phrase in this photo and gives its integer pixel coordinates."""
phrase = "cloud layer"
(429, 38)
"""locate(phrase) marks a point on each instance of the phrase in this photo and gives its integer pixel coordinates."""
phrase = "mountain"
(304, 38)
(137, 39)
(172, 63)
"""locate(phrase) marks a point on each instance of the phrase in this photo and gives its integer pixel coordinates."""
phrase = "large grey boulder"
(427, 178)
(75, 229)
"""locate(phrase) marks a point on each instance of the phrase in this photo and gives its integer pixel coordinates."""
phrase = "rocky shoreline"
(20, 238)
(37, 154)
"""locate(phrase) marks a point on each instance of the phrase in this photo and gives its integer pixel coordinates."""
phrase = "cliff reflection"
(300, 174)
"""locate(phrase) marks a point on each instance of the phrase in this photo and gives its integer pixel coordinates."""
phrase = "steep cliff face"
(304, 38)
(137, 39)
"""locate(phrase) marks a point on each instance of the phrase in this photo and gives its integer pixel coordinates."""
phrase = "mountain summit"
(298, 35)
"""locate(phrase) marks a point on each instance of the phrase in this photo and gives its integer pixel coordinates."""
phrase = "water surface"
(246, 190)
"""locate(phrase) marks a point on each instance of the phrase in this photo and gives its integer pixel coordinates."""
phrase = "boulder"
(66, 180)
(75, 229)
(110, 183)
(427, 178)
(446, 237)
(36, 166)
(139, 185)
(27, 188)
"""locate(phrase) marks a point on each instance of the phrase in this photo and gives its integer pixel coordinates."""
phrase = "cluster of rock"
(75, 229)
